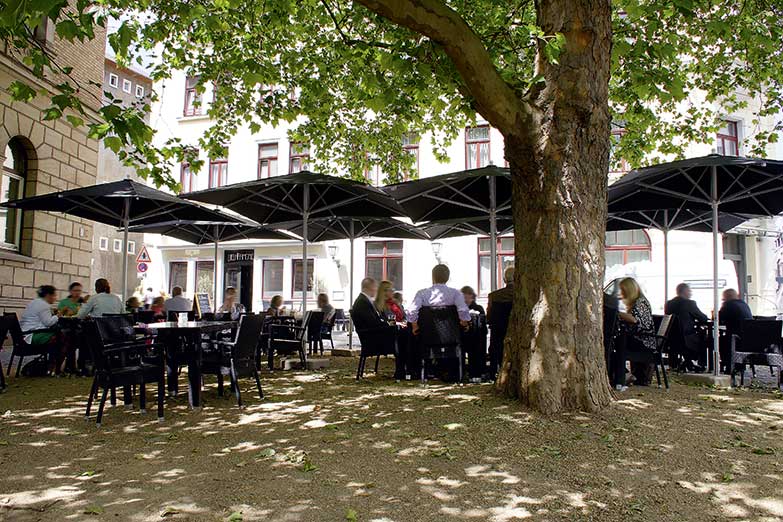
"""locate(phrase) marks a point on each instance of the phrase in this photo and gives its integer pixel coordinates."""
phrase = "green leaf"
(113, 142)
(351, 516)
(74, 120)
(67, 30)
(21, 91)
(236, 516)
(93, 510)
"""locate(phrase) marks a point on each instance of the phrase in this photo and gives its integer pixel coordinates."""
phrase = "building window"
(267, 160)
(205, 274)
(627, 246)
(410, 145)
(187, 178)
(272, 281)
(476, 147)
(296, 284)
(616, 165)
(383, 261)
(728, 139)
(218, 172)
(126, 86)
(132, 248)
(178, 275)
(192, 98)
(117, 245)
(103, 243)
(114, 80)
(505, 253)
(12, 187)
(139, 91)
(300, 157)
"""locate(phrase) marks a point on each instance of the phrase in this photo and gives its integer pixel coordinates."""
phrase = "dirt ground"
(322, 447)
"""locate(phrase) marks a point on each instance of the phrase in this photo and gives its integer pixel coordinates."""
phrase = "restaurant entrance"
(239, 274)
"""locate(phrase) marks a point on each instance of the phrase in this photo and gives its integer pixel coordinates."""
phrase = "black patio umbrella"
(467, 227)
(121, 204)
(201, 232)
(476, 193)
(300, 197)
(714, 184)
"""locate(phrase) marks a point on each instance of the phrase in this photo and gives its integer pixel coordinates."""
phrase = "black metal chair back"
(760, 336)
(247, 338)
(664, 332)
(145, 316)
(115, 328)
(14, 329)
(312, 322)
(610, 331)
(439, 326)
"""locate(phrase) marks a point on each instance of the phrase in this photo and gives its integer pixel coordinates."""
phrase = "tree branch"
(494, 98)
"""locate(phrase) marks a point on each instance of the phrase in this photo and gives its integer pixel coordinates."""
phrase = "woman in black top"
(638, 326)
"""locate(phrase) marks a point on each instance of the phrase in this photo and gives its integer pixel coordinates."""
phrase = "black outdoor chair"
(374, 343)
(145, 316)
(326, 332)
(22, 348)
(759, 343)
(285, 338)
(440, 337)
(654, 357)
(610, 333)
(340, 319)
(312, 323)
(3, 335)
(236, 357)
(123, 360)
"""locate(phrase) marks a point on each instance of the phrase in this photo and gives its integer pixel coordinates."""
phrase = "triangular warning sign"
(144, 256)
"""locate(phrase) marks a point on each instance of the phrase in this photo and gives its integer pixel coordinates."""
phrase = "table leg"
(193, 355)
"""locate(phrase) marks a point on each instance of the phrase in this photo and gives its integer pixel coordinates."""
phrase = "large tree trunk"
(553, 358)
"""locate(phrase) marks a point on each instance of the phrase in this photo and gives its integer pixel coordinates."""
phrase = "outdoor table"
(190, 332)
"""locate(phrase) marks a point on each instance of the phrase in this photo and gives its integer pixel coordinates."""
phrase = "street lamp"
(332, 249)
(436, 246)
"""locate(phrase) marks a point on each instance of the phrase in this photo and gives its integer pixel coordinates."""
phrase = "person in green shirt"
(69, 306)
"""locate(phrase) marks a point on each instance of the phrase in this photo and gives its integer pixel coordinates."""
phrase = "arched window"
(627, 246)
(12, 182)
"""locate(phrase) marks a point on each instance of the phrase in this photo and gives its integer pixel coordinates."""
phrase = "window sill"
(193, 118)
(11, 255)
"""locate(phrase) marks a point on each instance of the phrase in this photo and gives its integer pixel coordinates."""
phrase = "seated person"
(37, 324)
(132, 305)
(103, 302)
(498, 318)
(385, 303)
(731, 314)
(688, 314)
(477, 346)
(439, 295)
(325, 307)
(177, 302)
(69, 306)
(637, 320)
(157, 306)
(276, 306)
(397, 296)
(230, 305)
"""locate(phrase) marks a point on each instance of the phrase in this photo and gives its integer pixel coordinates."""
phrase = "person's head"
(230, 295)
(102, 286)
(149, 289)
(440, 274)
(684, 291)
(75, 291)
(470, 295)
(385, 292)
(322, 300)
(730, 295)
(508, 275)
(397, 296)
(132, 303)
(370, 287)
(177, 290)
(276, 302)
(48, 293)
(158, 301)
(629, 291)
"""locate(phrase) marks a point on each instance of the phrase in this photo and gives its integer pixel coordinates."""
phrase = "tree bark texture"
(554, 357)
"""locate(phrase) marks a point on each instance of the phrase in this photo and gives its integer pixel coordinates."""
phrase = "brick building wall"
(54, 248)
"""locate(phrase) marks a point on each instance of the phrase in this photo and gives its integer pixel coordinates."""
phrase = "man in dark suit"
(375, 334)
(688, 314)
(498, 313)
(732, 312)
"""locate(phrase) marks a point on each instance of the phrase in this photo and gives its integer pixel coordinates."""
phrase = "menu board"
(202, 305)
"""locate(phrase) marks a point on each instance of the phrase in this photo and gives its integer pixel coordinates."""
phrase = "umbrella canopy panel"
(200, 232)
(459, 195)
(674, 219)
(289, 198)
(335, 228)
(467, 227)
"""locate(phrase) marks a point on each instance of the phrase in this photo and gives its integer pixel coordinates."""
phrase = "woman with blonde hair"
(385, 303)
(638, 328)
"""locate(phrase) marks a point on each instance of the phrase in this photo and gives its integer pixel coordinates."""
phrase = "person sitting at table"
(477, 347)
(385, 303)
(103, 302)
(688, 314)
(638, 326)
(731, 314)
(133, 305)
(325, 307)
(499, 305)
(275, 306)
(157, 306)
(37, 324)
(439, 294)
(366, 318)
(69, 306)
(177, 302)
(397, 296)
(230, 306)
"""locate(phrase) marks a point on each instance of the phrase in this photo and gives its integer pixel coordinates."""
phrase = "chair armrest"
(274, 327)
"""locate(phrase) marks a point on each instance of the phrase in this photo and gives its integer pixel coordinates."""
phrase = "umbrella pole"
(666, 258)
(493, 235)
(215, 272)
(350, 293)
(715, 297)
(305, 218)
(125, 224)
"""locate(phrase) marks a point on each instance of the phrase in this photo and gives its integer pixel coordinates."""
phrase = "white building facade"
(262, 269)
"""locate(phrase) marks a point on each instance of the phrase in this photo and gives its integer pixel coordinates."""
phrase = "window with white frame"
(140, 91)
(117, 245)
(383, 261)
(114, 80)
(410, 145)
(192, 96)
(267, 160)
(218, 172)
(300, 157)
(12, 181)
(132, 247)
(103, 243)
(272, 280)
(627, 246)
(476, 147)
(126, 86)
(728, 139)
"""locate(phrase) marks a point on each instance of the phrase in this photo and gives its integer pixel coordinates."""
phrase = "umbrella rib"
(734, 181)
(674, 193)
(746, 192)
(106, 211)
(694, 183)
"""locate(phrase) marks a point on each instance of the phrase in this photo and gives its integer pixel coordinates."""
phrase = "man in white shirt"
(177, 302)
(438, 295)
(38, 316)
(103, 302)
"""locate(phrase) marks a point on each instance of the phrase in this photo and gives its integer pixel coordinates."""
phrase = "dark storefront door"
(239, 274)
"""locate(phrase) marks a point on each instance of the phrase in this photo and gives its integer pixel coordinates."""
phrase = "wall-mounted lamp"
(333, 254)
(436, 250)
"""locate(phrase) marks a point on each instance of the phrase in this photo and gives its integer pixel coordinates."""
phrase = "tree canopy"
(358, 83)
